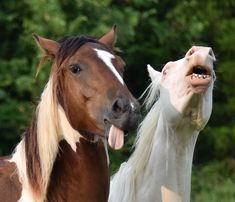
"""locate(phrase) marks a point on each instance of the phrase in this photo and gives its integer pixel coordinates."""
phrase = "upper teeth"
(201, 76)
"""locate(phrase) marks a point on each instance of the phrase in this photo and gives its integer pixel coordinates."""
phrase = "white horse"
(180, 98)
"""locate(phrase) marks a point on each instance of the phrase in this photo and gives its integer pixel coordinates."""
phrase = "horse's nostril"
(124, 106)
(191, 51)
(118, 106)
(211, 53)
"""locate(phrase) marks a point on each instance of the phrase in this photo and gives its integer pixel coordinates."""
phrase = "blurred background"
(150, 31)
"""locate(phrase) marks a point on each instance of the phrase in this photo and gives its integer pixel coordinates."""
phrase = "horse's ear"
(49, 46)
(110, 38)
(153, 74)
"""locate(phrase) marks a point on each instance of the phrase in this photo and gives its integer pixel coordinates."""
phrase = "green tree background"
(150, 31)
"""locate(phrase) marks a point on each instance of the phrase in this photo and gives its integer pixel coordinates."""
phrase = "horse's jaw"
(183, 103)
(198, 109)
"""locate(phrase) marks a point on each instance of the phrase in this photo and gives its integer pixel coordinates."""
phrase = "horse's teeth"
(200, 76)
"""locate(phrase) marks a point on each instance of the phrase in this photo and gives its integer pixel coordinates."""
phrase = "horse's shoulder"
(8, 169)
(8, 180)
(4, 160)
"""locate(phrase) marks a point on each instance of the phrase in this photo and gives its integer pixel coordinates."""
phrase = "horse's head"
(185, 86)
(88, 85)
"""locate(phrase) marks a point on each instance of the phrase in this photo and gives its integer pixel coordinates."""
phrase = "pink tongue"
(116, 137)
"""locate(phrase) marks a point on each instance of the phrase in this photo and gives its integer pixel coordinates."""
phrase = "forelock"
(70, 44)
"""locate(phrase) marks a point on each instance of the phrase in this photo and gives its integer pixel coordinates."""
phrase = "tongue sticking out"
(116, 137)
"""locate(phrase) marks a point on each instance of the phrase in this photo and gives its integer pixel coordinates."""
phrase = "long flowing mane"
(127, 174)
(35, 154)
(148, 126)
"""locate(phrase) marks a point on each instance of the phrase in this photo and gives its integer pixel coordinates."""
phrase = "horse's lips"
(116, 137)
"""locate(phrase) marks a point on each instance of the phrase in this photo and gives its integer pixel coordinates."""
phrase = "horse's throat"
(172, 157)
(82, 175)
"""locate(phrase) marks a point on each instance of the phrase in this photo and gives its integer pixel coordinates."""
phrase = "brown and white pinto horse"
(85, 104)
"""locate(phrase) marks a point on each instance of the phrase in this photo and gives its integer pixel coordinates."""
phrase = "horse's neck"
(80, 176)
(170, 162)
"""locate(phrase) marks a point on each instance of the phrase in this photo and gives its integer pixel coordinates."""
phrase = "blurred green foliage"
(150, 31)
(214, 182)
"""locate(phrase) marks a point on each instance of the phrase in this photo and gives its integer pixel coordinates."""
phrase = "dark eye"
(75, 68)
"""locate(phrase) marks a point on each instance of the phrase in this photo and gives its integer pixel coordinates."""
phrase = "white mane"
(52, 126)
(126, 176)
(148, 126)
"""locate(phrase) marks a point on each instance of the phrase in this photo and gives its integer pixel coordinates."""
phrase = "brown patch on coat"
(10, 187)
(80, 176)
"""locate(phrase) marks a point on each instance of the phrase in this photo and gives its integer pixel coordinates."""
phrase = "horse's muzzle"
(125, 114)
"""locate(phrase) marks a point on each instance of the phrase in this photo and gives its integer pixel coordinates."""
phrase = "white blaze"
(106, 57)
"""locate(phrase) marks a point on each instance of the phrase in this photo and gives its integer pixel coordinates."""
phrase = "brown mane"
(33, 158)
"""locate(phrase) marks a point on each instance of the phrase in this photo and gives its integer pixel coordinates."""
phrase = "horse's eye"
(75, 68)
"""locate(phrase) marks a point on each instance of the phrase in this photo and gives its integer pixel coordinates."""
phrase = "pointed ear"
(153, 74)
(110, 38)
(49, 46)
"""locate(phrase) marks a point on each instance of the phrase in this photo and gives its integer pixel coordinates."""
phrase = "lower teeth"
(200, 76)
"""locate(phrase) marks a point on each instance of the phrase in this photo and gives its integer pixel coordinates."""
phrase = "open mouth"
(200, 76)
(115, 135)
